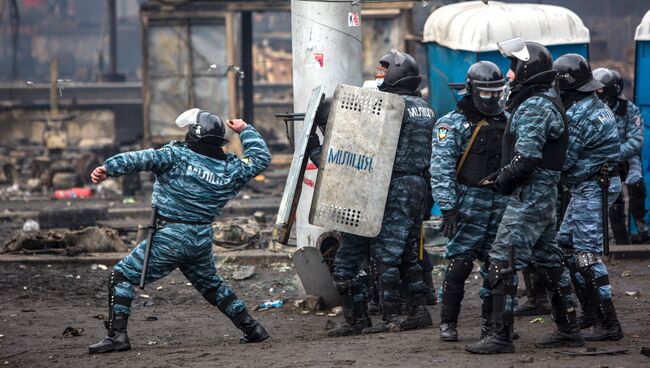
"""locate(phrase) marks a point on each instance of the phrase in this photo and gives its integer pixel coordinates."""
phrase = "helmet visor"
(514, 48)
(490, 99)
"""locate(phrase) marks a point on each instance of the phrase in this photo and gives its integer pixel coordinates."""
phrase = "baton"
(604, 185)
(151, 229)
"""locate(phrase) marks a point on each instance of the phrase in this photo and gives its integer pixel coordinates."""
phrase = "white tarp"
(643, 30)
(475, 26)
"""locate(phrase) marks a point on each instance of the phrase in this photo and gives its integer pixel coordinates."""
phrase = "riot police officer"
(466, 147)
(534, 147)
(592, 157)
(630, 132)
(394, 250)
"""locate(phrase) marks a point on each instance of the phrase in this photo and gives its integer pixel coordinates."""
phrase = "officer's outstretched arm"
(257, 156)
(156, 161)
(634, 133)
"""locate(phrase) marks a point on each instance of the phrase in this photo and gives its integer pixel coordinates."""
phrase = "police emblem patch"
(246, 160)
(443, 130)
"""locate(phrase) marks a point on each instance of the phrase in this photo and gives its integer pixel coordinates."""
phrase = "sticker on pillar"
(353, 19)
(320, 58)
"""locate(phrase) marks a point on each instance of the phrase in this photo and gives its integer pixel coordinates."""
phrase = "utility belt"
(168, 220)
(605, 173)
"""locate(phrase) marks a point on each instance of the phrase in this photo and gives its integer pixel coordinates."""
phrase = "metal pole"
(247, 64)
(112, 39)
(326, 50)
(54, 93)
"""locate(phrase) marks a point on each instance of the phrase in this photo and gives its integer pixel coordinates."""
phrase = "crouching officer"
(591, 170)
(534, 146)
(194, 180)
(630, 132)
(465, 148)
(394, 250)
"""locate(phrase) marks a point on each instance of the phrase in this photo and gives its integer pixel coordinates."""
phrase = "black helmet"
(612, 82)
(399, 70)
(206, 127)
(485, 82)
(574, 73)
(531, 62)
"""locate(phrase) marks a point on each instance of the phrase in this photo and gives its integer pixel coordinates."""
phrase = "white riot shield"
(357, 160)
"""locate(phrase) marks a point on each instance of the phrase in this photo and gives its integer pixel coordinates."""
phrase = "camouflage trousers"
(186, 247)
(529, 227)
(479, 213)
(582, 230)
(635, 172)
(395, 250)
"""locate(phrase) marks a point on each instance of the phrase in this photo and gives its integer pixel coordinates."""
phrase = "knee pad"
(211, 296)
(458, 271)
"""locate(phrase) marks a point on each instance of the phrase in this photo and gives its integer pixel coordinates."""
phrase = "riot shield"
(291, 194)
(356, 164)
(315, 276)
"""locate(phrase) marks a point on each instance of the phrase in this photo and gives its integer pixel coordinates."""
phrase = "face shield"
(490, 97)
(514, 48)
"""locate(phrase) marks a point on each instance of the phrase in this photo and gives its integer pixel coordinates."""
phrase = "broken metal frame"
(292, 189)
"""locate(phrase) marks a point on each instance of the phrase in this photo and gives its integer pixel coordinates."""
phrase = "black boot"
(354, 312)
(608, 327)
(499, 339)
(486, 311)
(588, 316)
(567, 333)
(537, 301)
(390, 321)
(418, 317)
(453, 291)
(253, 330)
(116, 338)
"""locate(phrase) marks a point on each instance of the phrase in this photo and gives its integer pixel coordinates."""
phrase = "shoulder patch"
(443, 131)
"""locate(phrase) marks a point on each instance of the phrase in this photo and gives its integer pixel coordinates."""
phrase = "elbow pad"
(516, 172)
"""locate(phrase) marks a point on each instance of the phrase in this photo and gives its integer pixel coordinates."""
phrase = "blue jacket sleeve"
(157, 161)
(634, 132)
(534, 123)
(578, 131)
(446, 148)
(257, 156)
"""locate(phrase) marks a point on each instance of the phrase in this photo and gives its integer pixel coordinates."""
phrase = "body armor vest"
(554, 151)
(484, 156)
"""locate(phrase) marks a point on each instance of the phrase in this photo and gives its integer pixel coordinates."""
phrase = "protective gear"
(207, 128)
(401, 72)
(617, 220)
(355, 310)
(449, 223)
(485, 83)
(390, 321)
(574, 73)
(503, 292)
(612, 85)
(418, 317)
(537, 302)
(567, 333)
(608, 327)
(253, 330)
(116, 338)
(453, 289)
(528, 70)
(515, 173)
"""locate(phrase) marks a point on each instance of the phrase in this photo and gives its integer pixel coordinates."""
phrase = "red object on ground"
(74, 193)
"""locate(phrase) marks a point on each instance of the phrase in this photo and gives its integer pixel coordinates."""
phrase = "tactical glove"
(449, 223)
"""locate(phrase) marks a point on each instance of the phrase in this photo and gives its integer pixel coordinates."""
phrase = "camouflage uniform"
(528, 226)
(630, 131)
(479, 209)
(191, 188)
(593, 141)
(394, 250)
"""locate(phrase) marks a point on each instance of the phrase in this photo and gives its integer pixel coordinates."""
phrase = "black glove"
(513, 174)
(449, 223)
(489, 181)
(313, 142)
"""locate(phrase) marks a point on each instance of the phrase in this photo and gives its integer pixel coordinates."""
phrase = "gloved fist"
(237, 125)
(99, 175)
(449, 223)
(488, 181)
(503, 185)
